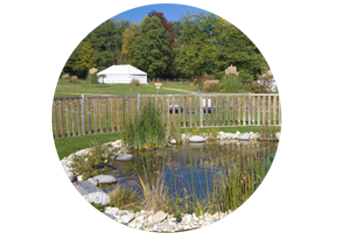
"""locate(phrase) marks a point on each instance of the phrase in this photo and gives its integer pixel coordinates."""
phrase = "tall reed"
(145, 128)
(235, 176)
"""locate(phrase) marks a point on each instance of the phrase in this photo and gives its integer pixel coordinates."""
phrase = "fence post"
(83, 114)
(138, 103)
(195, 110)
(249, 111)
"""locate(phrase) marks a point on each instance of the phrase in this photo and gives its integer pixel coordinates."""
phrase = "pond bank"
(144, 220)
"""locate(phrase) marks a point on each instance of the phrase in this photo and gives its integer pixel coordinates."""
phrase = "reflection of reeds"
(226, 186)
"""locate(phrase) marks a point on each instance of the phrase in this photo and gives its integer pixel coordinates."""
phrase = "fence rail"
(88, 115)
(167, 80)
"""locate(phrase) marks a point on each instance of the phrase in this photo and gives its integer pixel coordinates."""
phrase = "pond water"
(194, 167)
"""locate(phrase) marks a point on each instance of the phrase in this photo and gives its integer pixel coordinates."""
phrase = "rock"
(278, 136)
(121, 152)
(173, 141)
(80, 178)
(125, 157)
(71, 176)
(92, 194)
(244, 136)
(148, 221)
(159, 217)
(196, 139)
(105, 179)
(93, 181)
(238, 132)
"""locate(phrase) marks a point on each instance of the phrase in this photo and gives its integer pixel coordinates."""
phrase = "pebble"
(162, 222)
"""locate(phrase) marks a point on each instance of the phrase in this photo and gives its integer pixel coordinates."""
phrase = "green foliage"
(267, 132)
(150, 47)
(213, 132)
(99, 207)
(93, 164)
(145, 128)
(94, 78)
(232, 84)
(174, 132)
(87, 58)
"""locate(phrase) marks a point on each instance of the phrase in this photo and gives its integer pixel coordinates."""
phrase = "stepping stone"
(125, 157)
(197, 139)
(105, 179)
(91, 193)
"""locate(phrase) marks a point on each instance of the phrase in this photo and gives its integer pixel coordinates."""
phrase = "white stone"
(173, 141)
(196, 139)
(105, 179)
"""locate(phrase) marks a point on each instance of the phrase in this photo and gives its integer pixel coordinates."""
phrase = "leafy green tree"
(196, 47)
(150, 47)
(234, 47)
(87, 58)
(107, 40)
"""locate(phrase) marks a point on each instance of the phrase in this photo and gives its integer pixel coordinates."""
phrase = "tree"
(234, 47)
(150, 47)
(87, 58)
(196, 47)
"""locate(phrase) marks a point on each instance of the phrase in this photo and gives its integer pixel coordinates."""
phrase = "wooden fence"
(87, 115)
(167, 80)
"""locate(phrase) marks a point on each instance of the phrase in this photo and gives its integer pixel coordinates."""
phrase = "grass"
(68, 89)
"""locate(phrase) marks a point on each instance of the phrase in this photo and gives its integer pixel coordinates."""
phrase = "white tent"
(122, 74)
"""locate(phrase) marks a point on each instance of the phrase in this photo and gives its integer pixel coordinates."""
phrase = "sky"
(172, 12)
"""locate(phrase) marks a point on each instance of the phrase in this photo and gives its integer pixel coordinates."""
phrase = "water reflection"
(191, 166)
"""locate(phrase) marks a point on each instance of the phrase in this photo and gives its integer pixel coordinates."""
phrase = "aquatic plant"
(145, 128)
(94, 163)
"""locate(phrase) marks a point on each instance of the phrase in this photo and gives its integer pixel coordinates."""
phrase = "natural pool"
(224, 168)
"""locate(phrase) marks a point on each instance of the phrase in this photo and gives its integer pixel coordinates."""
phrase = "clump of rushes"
(174, 132)
(267, 132)
(145, 128)
(212, 132)
(94, 163)
(125, 198)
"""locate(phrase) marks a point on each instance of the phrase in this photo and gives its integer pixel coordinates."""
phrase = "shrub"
(94, 79)
(211, 86)
(174, 132)
(94, 163)
(232, 84)
(74, 78)
(255, 87)
(135, 81)
(65, 76)
(199, 81)
(267, 132)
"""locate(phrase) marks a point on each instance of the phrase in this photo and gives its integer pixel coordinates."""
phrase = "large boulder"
(92, 194)
(196, 139)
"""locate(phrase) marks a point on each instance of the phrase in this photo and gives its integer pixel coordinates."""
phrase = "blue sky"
(172, 12)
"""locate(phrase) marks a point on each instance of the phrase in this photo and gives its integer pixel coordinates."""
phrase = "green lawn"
(70, 89)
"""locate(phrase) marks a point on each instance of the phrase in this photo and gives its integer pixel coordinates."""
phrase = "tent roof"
(121, 69)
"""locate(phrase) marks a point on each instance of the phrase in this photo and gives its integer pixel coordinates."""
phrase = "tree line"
(196, 45)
